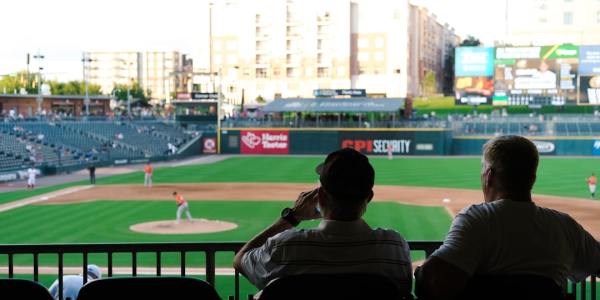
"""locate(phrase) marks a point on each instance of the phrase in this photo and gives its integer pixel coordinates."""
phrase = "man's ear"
(371, 194)
(488, 176)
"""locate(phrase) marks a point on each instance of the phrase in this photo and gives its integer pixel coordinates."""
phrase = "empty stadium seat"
(148, 288)
(23, 289)
(333, 286)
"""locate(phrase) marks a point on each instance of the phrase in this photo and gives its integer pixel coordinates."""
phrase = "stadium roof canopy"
(335, 105)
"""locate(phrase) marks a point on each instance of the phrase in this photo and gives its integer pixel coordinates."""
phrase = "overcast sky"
(62, 29)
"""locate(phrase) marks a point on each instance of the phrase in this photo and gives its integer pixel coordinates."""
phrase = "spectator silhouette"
(508, 234)
(342, 243)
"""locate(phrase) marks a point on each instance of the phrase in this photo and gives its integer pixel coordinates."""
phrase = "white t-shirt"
(334, 247)
(511, 237)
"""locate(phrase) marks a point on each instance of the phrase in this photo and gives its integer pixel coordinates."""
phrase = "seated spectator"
(73, 283)
(508, 234)
(342, 243)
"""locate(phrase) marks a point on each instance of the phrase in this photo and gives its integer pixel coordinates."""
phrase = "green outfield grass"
(556, 176)
(109, 221)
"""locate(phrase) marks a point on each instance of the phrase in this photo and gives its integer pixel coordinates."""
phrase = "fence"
(209, 249)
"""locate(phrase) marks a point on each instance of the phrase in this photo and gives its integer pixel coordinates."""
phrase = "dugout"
(336, 112)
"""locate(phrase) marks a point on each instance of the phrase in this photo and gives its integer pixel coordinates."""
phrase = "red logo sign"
(209, 145)
(378, 146)
(264, 142)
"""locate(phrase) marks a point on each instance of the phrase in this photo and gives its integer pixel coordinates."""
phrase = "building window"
(291, 72)
(363, 43)
(309, 72)
(363, 56)
(379, 42)
(341, 71)
(543, 20)
(257, 19)
(379, 56)
(231, 46)
(568, 18)
(322, 72)
(362, 70)
(261, 73)
(598, 17)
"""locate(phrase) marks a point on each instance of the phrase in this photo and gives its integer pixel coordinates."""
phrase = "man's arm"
(304, 209)
(437, 279)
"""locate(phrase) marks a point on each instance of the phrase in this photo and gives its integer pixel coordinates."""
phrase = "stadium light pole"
(39, 98)
(86, 68)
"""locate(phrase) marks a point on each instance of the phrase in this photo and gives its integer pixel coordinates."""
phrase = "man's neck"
(518, 197)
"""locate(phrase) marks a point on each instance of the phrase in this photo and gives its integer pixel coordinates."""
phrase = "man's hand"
(305, 207)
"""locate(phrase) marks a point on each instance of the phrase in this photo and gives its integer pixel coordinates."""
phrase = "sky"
(62, 29)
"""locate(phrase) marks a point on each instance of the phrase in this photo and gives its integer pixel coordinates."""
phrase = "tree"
(429, 84)
(260, 99)
(471, 41)
(14, 83)
(135, 90)
(448, 80)
(73, 87)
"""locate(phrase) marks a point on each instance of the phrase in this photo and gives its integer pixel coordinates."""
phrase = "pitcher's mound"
(184, 226)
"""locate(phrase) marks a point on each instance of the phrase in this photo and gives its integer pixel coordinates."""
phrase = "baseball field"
(415, 195)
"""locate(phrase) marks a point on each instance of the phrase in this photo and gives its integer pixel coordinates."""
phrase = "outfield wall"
(547, 145)
(403, 141)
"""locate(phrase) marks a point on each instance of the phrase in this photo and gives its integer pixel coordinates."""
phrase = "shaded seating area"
(148, 288)
(23, 289)
(334, 286)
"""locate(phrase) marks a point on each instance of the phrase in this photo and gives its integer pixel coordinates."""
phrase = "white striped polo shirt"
(332, 247)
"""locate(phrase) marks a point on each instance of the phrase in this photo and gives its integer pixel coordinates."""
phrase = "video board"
(535, 76)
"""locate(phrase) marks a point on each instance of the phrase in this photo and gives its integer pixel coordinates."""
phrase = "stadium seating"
(23, 289)
(71, 143)
(333, 286)
(148, 288)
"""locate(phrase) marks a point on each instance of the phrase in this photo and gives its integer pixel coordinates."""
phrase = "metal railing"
(209, 250)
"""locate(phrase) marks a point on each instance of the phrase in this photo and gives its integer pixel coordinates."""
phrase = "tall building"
(430, 45)
(154, 71)
(287, 48)
(551, 22)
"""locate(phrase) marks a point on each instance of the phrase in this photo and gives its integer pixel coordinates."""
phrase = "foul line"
(43, 197)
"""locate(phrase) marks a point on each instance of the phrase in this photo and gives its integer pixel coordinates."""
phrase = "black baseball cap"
(346, 173)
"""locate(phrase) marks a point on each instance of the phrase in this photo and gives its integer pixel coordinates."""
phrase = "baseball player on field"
(592, 180)
(31, 173)
(148, 175)
(182, 206)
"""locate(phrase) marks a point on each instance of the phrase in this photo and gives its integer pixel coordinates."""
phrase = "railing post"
(210, 267)
(60, 276)
(134, 263)
(158, 255)
(10, 265)
(110, 263)
(36, 267)
(85, 263)
(182, 263)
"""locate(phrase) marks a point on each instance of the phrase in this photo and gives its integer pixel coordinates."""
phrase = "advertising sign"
(378, 143)
(589, 60)
(589, 89)
(264, 142)
(596, 148)
(205, 96)
(209, 145)
(474, 67)
(536, 75)
(474, 61)
(544, 147)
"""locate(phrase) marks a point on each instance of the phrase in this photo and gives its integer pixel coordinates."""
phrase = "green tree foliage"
(13, 84)
(429, 83)
(471, 41)
(135, 90)
(448, 83)
(73, 87)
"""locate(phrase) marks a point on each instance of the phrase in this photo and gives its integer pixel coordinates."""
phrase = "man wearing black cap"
(342, 243)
